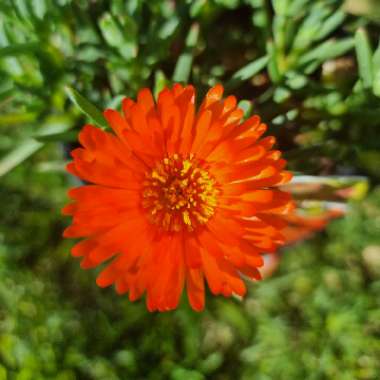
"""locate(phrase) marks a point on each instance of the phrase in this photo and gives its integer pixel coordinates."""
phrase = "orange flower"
(177, 196)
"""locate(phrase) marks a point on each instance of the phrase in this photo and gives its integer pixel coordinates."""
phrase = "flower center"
(178, 193)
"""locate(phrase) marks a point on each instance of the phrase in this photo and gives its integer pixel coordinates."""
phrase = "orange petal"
(195, 289)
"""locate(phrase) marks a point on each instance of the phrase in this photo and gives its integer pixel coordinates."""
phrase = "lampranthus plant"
(177, 196)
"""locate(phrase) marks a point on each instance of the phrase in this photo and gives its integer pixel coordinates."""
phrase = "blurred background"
(311, 69)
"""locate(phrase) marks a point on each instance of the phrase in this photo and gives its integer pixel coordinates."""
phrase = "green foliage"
(295, 58)
(312, 70)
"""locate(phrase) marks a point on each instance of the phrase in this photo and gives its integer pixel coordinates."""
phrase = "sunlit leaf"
(273, 68)
(327, 50)
(331, 23)
(376, 71)
(248, 71)
(364, 55)
(183, 67)
(86, 107)
(160, 81)
(19, 154)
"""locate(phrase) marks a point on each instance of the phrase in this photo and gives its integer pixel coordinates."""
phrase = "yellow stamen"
(179, 193)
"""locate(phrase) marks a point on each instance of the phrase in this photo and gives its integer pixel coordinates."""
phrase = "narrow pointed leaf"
(183, 67)
(297, 6)
(86, 107)
(248, 71)
(160, 81)
(273, 68)
(376, 71)
(22, 152)
(331, 24)
(327, 50)
(67, 136)
(364, 56)
(376, 58)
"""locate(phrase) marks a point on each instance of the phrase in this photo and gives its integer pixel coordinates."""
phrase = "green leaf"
(3, 373)
(376, 71)
(279, 32)
(39, 8)
(297, 6)
(295, 80)
(18, 49)
(67, 136)
(327, 50)
(160, 81)
(122, 39)
(331, 24)
(23, 151)
(17, 118)
(183, 67)
(249, 70)
(376, 83)
(273, 68)
(364, 56)
(376, 58)
(168, 28)
(53, 126)
(86, 107)
(196, 7)
(307, 32)
(246, 106)
(280, 7)
(111, 31)
(90, 54)
(21, 7)
(281, 94)
(231, 4)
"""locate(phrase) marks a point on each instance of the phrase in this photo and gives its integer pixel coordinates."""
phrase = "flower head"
(176, 197)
